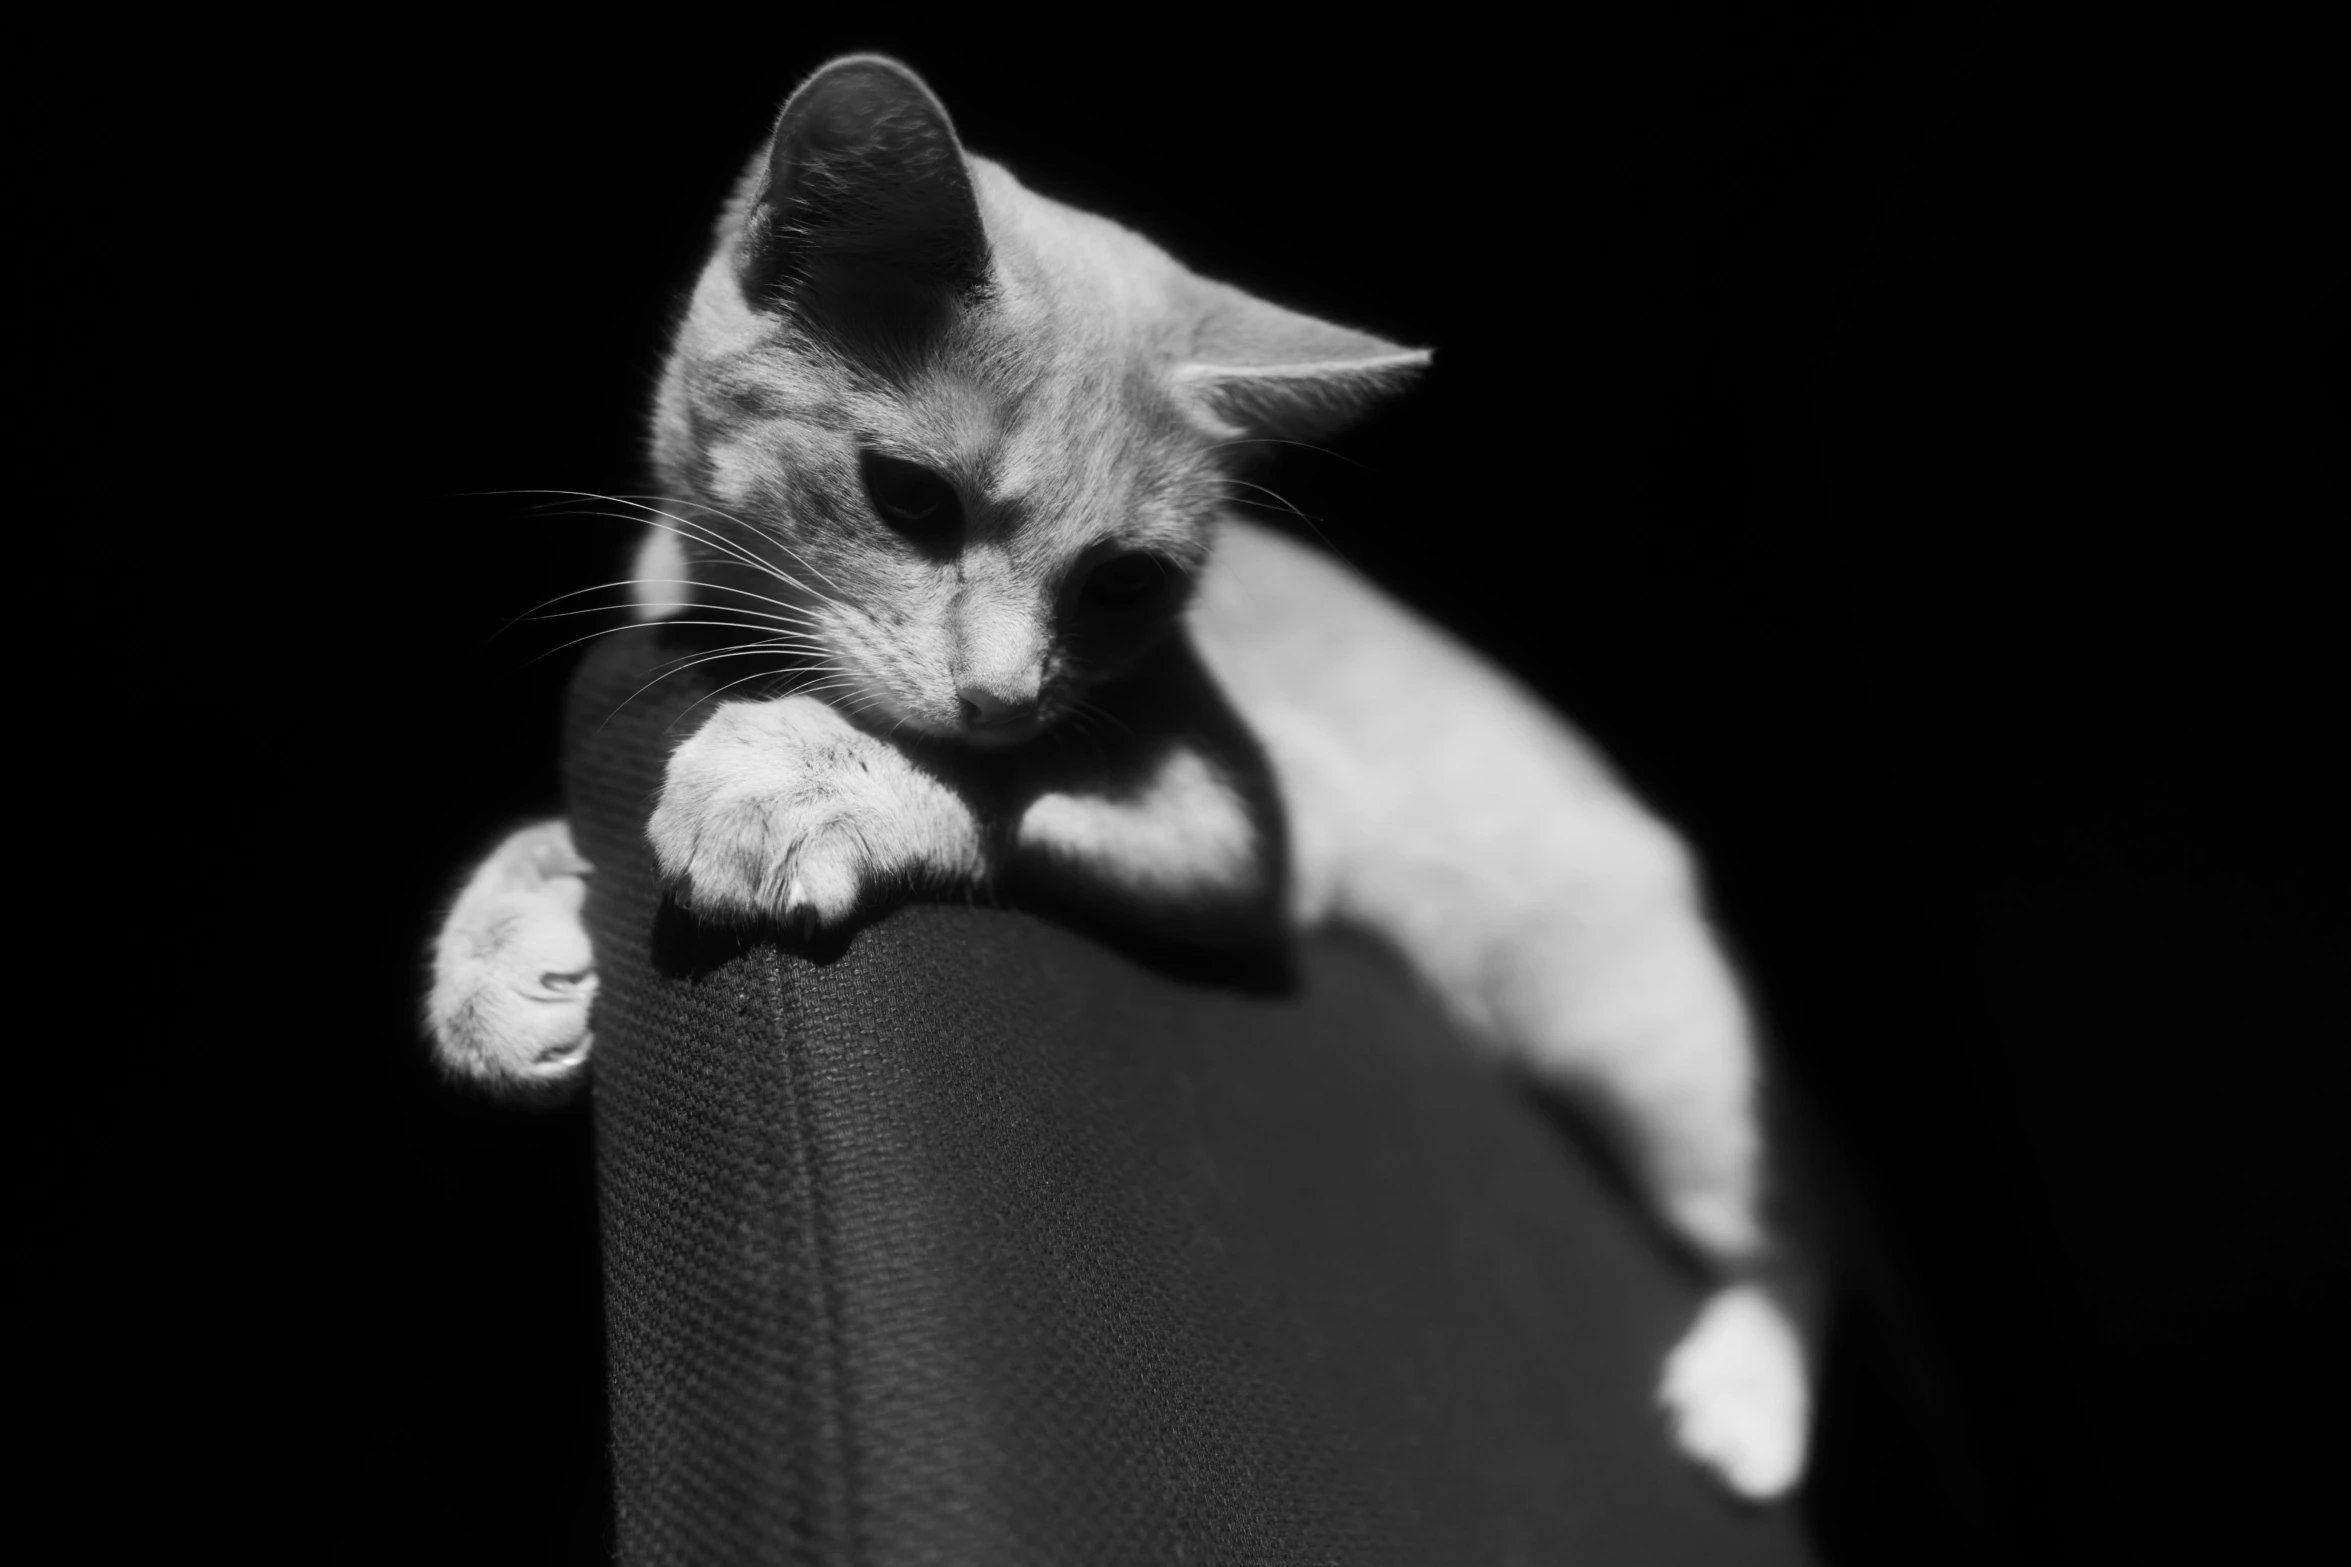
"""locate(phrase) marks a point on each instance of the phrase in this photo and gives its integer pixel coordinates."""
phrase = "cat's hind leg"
(1594, 967)
(1737, 1390)
(1657, 1040)
(514, 975)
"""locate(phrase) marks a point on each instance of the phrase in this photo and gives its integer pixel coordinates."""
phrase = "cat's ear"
(864, 180)
(1275, 372)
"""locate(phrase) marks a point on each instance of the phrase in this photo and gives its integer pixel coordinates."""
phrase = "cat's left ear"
(865, 193)
(1276, 372)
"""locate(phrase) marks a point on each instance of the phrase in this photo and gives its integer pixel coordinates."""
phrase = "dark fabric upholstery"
(979, 1242)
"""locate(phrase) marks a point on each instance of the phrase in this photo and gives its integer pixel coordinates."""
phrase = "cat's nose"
(998, 706)
(999, 653)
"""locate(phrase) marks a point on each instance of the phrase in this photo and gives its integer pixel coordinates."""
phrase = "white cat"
(959, 455)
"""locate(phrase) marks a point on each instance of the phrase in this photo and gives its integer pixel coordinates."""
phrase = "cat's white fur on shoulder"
(1184, 834)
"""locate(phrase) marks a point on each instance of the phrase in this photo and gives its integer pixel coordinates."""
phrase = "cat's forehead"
(1045, 434)
(1027, 397)
(1019, 399)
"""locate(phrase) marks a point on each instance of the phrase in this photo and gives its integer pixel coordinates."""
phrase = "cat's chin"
(999, 736)
(879, 710)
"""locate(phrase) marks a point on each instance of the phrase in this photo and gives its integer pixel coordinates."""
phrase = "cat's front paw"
(785, 810)
(1738, 1394)
(514, 977)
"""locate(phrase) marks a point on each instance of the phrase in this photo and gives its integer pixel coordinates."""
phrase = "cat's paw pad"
(771, 811)
(514, 976)
(1738, 1396)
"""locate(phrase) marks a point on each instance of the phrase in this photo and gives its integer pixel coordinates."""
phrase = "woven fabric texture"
(979, 1242)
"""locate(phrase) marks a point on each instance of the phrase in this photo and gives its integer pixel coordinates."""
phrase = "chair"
(980, 1241)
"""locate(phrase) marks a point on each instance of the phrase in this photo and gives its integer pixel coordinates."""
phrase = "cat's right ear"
(865, 186)
(1254, 366)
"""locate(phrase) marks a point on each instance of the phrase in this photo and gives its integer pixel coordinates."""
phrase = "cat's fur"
(1064, 399)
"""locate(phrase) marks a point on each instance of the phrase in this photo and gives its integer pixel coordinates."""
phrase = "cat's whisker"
(785, 606)
(686, 661)
(695, 533)
(1279, 499)
(749, 526)
(789, 608)
(679, 666)
(539, 611)
(1097, 713)
(828, 676)
(748, 558)
(840, 693)
(642, 510)
(1312, 526)
(542, 611)
(600, 631)
(632, 607)
(796, 641)
(684, 528)
(1096, 748)
(1273, 440)
(1083, 728)
(783, 621)
(702, 532)
(761, 637)
(769, 674)
(846, 691)
(1075, 728)
(765, 674)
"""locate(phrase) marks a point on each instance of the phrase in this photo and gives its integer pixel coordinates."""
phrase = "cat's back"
(1401, 752)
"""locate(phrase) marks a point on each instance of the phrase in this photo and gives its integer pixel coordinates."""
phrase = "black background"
(1910, 440)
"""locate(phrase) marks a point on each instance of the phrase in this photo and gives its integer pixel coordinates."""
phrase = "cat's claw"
(514, 976)
(1737, 1395)
(752, 859)
(824, 886)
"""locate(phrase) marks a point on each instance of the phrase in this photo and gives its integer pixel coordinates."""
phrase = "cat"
(961, 456)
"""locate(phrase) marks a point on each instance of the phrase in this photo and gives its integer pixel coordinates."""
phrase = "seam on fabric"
(827, 1465)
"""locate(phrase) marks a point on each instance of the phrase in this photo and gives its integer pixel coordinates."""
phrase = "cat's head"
(969, 444)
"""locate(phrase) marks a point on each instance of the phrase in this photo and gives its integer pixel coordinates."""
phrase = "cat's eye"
(1125, 580)
(910, 497)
